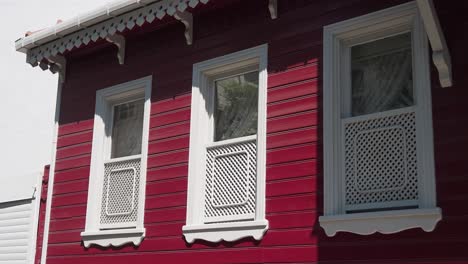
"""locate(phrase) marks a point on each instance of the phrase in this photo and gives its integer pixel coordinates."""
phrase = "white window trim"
(231, 231)
(379, 24)
(115, 237)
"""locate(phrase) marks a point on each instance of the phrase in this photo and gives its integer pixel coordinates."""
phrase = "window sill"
(383, 222)
(225, 231)
(116, 237)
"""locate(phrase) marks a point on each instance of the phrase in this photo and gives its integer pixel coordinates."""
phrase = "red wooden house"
(268, 131)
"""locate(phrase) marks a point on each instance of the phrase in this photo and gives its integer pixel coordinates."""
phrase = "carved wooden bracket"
(58, 64)
(119, 41)
(187, 19)
(440, 52)
(273, 7)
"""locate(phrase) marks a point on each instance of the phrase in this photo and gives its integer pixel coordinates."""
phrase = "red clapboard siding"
(292, 122)
(170, 117)
(294, 195)
(293, 90)
(71, 199)
(73, 162)
(292, 138)
(75, 127)
(167, 172)
(169, 131)
(291, 187)
(171, 104)
(292, 106)
(73, 139)
(168, 144)
(167, 159)
(171, 186)
(292, 170)
(292, 154)
(70, 187)
(72, 174)
(292, 76)
(75, 150)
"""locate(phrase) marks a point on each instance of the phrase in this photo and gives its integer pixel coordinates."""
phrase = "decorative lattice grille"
(381, 163)
(231, 178)
(120, 192)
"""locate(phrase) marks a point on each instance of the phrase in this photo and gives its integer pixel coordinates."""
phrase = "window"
(378, 147)
(226, 192)
(118, 165)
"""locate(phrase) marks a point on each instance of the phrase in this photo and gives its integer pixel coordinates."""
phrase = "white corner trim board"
(440, 51)
(103, 228)
(383, 222)
(228, 222)
(351, 209)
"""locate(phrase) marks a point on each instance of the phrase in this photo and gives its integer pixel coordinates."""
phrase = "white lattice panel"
(120, 193)
(381, 162)
(231, 178)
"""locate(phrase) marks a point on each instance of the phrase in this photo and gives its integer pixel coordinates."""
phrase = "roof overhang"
(45, 46)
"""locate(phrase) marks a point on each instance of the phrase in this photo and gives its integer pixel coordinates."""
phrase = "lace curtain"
(382, 75)
(236, 106)
(127, 129)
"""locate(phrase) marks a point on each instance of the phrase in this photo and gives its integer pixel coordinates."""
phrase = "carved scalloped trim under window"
(109, 27)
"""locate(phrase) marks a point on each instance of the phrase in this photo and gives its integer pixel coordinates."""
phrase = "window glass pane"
(236, 106)
(382, 77)
(127, 129)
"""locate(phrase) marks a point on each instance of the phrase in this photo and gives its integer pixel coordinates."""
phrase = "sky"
(28, 94)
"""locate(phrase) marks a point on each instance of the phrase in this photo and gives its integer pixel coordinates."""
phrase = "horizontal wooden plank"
(71, 199)
(73, 162)
(290, 154)
(71, 187)
(169, 158)
(77, 138)
(169, 144)
(292, 186)
(165, 187)
(166, 201)
(74, 150)
(169, 131)
(170, 117)
(294, 121)
(75, 127)
(293, 75)
(292, 137)
(291, 203)
(292, 106)
(169, 172)
(73, 174)
(292, 91)
(170, 104)
(291, 170)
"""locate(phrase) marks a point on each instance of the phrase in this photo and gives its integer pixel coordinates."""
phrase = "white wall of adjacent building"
(26, 121)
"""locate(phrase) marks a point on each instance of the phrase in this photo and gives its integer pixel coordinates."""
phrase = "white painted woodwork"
(18, 227)
(119, 41)
(125, 229)
(381, 215)
(440, 51)
(200, 214)
(187, 19)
